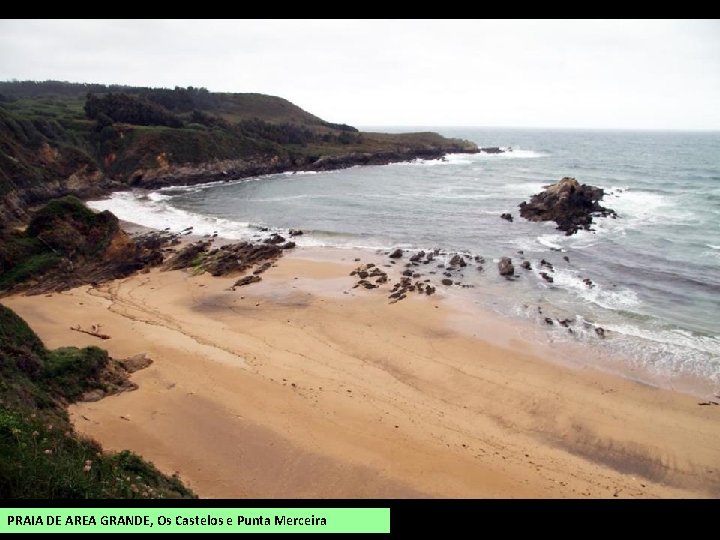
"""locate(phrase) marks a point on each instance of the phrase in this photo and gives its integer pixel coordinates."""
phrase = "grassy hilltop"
(58, 138)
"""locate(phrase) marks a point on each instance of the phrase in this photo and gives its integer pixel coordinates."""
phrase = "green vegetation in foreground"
(41, 456)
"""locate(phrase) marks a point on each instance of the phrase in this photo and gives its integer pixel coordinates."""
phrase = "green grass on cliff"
(59, 137)
(41, 456)
(210, 126)
(62, 229)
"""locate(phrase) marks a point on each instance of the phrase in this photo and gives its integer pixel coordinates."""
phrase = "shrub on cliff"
(131, 110)
(68, 226)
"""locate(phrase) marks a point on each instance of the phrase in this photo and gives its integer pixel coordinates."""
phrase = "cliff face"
(167, 173)
(41, 159)
(56, 141)
(66, 245)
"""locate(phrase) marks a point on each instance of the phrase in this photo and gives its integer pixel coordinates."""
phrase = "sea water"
(655, 269)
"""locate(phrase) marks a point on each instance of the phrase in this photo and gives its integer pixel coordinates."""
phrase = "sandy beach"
(301, 386)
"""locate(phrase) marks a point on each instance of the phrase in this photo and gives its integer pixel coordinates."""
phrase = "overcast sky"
(590, 74)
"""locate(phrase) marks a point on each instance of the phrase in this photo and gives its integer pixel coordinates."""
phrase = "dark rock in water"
(480, 269)
(479, 259)
(417, 257)
(564, 322)
(295, 232)
(396, 254)
(507, 216)
(288, 245)
(457, 260)
(447, 281)
(546, 277)
(600, 331)
(568, 203)
(274, 239)
(429, 289)
(407, 273)
(492, 150)
(546, 264)
(566, 258)
(362, 274)
(505, 267)
(526, 265)
(247, 280)
(548, 320)
(382, 279)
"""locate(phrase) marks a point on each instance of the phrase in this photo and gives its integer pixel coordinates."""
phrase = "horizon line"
(558, 128)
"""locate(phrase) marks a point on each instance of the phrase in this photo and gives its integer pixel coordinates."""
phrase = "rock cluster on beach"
(568, 203)
(410, 280)
(201, 256)
(372, 277)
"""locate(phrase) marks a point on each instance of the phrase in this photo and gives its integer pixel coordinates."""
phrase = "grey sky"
(597, 74)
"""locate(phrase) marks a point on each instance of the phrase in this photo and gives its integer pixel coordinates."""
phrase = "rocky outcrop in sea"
(569, 204)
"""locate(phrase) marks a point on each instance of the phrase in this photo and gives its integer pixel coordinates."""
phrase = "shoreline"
(294, 386)
(557, 348)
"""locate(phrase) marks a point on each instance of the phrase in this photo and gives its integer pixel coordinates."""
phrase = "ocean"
(656, 268)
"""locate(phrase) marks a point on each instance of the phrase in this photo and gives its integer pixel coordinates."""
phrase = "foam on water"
(152, 210)
(468, 159)
(571, 280)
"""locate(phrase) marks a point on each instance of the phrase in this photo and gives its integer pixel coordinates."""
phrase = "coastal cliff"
(88, 140)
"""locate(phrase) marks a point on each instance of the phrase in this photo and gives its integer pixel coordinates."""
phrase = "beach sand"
(300, 386)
